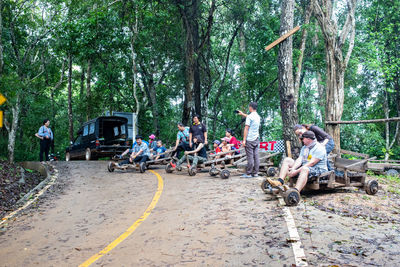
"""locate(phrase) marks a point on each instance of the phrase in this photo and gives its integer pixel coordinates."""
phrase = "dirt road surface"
(198, 221)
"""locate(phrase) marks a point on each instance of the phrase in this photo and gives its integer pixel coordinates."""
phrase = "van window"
(78, 140)
(86, 130)
(116, 131)
(92, 127)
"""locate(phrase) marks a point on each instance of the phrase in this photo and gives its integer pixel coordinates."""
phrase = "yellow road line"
(132, 228)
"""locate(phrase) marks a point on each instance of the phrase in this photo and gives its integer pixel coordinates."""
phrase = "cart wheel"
(265, 186)
(225, 174)
(110, 167)
(271, 171)
(168, 168)
(291, 197)
(192, 171)
(393, 173)
(371, 187)
(142, 167)
(213, 171)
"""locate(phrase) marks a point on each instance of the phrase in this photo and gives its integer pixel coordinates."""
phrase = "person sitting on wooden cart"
(217, 149)
(139, 153)
(232, 141)
(160, 149)
(322, 137)
(152, 144)
(182, 140)
(197, 155)
(311, 162)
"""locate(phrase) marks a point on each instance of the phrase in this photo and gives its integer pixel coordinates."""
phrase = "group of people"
(192, 141)
(313, 159)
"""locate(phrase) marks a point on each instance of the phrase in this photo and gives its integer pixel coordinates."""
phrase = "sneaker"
(246, 176)
(255, 175)
(274, 183)
(173, 165)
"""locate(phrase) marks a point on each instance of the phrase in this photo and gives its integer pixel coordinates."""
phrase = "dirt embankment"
(15, 182)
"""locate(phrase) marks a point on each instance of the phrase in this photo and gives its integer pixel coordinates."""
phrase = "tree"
(336, 64)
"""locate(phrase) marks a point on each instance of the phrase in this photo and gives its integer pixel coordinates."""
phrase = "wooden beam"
(282, 38)
(363, 121)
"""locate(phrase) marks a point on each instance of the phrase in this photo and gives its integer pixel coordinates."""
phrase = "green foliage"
(99, 33)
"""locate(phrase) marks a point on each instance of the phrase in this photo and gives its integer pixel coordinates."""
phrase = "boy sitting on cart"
(311, 162)
(139, 153)
(197, 155)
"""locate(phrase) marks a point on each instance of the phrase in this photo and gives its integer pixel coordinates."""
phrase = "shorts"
(314, 172)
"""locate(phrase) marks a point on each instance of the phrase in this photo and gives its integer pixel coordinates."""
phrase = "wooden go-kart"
(161, 161)
(113, 165)
(218, 165)
(346, 173)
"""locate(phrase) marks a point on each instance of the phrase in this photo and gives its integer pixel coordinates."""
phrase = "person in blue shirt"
(160, 149)
(140, 152)
(182, 140)
(46, 137)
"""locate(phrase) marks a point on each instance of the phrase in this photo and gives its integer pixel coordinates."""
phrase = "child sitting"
(159, 150)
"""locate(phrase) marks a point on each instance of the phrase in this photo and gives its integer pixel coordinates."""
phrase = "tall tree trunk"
(12, 133)
(1, 37)
(70, 118)
(335, 63)
(88, 89)
(134, 32)
(286, 84)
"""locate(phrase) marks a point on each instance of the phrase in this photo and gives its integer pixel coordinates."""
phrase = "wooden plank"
(352, 153)
(363, 121)
(282, 38)
(289, 149)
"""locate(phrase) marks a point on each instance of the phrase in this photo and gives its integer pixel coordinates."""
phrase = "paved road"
(198, 221)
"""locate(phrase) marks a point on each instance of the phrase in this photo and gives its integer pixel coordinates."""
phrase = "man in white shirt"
(251, 140)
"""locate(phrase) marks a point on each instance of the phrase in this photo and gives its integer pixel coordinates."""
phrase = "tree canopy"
(70, 61)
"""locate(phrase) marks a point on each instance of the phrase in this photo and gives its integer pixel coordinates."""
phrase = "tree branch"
(209, 25)
(353, 33)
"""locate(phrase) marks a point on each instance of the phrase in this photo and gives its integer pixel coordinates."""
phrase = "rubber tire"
(372, 187)
(225, 174)
(110, 167)
(291, 197)
(392, 172)
(67, 156)
(264, 186)
(271, 171)
(168, 168)
(213, 172)
(192, 171)
(142, 167)
(88, 154)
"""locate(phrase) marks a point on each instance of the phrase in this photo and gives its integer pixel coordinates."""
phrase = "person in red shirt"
(234, 143)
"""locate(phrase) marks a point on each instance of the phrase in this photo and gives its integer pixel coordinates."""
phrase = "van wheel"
(67, 156)
(88, 154)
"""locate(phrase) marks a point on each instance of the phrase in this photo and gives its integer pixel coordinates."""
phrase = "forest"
(166, 60)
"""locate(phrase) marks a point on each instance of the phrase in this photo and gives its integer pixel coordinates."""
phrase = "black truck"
(104, 136)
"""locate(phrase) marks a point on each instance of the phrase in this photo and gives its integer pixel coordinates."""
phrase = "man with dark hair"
(198, 129)
(182, 140)
(140, 152)
(197, 155)
(251, 140)
(312, 162)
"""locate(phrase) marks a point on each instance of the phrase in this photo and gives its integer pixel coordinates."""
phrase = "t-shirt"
(144, 147)
(320, 134)
(253, 120)
(183, 136)
(202, 153)
(318, 151)
(217, 150)
(161, 150)
(198, 129)
(44, 131)
(234, 142)
(152, 145)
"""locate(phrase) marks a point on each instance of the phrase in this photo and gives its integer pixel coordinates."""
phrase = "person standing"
(251, 140)
(198, 129)
(46, 136)
(182, 140)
